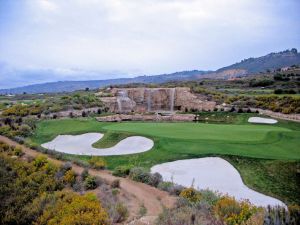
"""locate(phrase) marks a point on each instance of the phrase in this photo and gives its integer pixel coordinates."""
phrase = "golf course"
(267, 156)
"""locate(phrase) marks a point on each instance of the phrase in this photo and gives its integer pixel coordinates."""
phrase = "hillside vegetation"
(33, 191)
(271, 61)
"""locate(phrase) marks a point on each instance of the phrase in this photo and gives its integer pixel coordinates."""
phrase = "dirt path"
(137, 193)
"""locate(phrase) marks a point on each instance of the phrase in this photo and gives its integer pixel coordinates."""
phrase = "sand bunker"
(215, 174)
(261, 120)
(82, 145)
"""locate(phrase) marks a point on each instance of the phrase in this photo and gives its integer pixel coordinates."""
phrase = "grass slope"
(275, 178)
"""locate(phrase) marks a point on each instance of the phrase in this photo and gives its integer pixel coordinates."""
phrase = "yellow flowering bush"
(233, 212)
(69, 177)
(190, 194)
(71, 208)
(97, 162)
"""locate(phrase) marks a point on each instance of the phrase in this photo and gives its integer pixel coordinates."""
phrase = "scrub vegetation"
(36, 191)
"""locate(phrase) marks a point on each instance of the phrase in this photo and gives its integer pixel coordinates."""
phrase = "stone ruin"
(159, 100)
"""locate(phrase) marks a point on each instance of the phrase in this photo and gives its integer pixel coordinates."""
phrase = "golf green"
(199, 131)
(185, 140)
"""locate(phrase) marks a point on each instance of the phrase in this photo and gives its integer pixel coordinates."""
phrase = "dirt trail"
(139, 193)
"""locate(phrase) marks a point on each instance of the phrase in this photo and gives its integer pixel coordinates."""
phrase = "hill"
(271, 61)
(248, 66)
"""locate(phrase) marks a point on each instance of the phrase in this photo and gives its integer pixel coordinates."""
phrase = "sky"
(52, 40)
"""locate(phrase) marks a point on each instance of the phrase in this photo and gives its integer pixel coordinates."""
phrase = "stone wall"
(143, 100)
(145, 117)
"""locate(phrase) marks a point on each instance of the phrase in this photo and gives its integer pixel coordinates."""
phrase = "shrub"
(278, 91)
(291, 91)
(97, 163)
(165, 186)
(176, 189)
(90, 182)
(121, 213)
(71, 208)
(50, 168)
(240, 110)
(209, 198)
(191, 195)
(115, 191)
(232, 211)
(19, 139)
(155, 179)
(40, 161)
(186, 215)
(84, 174)
(18, 151)
(260, 83)
(77, 186)
(25, 130)
(287, 110)
(140, 174)
(115, 183)
(142, 210)
(294, 211)
(279, 215)
(65, 167)
(69, 177)
(122, 171)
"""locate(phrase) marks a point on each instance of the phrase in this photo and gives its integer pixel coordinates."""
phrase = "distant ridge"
(68, 86)
(271, 61)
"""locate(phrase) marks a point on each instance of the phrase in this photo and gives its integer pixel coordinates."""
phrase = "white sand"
(261, 120)
(215, 174)
(82, 145)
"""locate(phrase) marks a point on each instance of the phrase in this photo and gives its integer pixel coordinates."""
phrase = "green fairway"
(250, 144)
(199, 131)
(185, 140)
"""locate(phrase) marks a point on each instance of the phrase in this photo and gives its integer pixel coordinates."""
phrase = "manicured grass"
(263, 145)
(49, 129)
(275, 178)
(110, 138)
(199, 131)
(186, 140)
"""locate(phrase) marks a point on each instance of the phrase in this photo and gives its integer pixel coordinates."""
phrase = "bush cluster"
(283, 104)
(32, 192)
(97, 162)
(140, 174)
(232, 211)
(122, 171)
(191, 195)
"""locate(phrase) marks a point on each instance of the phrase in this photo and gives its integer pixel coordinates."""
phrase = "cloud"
(143, 36)
(46, 5)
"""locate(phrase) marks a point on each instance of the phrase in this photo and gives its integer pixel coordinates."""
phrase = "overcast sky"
(49, 40)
